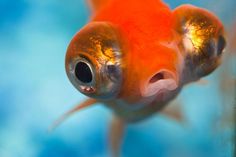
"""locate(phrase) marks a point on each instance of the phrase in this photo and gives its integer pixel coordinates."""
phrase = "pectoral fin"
(174, 111)
(116, 135)
(85, 104)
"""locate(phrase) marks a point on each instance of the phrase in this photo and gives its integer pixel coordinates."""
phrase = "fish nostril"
(83, 72)
(156, 77)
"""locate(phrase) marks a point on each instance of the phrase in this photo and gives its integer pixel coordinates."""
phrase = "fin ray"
(61, 119)
(174, 111)
(116, 135)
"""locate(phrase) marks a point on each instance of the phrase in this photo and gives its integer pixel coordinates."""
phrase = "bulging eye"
(203, 40)
(83, 72)
(87, 58)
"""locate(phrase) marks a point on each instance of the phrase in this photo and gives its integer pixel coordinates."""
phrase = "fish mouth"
(87, 89)
(159, 83)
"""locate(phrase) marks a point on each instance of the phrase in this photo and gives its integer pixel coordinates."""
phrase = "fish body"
(135, 56)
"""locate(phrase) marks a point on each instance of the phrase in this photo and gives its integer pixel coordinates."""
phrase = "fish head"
(101, 65)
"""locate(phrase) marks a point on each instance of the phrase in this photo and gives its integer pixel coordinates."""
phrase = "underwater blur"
(34, 91)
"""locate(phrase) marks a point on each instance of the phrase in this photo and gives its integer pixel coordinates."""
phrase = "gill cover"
(93, 61)
(202, 40)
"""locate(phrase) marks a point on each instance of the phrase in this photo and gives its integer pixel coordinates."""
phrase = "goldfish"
(136, 56)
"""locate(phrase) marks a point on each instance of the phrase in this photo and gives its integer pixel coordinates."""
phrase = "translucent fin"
(116, 136)
(202, 82)
(96, 5)
(232, 39)
(174, 111)
(85, 104)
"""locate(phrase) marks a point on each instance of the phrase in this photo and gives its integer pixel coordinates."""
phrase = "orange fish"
(135, 56)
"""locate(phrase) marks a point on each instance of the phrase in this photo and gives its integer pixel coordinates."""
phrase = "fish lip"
(168, 83)
(87, 89)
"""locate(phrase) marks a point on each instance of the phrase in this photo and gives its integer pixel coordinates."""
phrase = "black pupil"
(83, 72)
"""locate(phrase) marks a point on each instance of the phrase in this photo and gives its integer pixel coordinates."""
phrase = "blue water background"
(34, 91)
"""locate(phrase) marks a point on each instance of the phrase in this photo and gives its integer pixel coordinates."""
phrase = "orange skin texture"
(145, 28)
